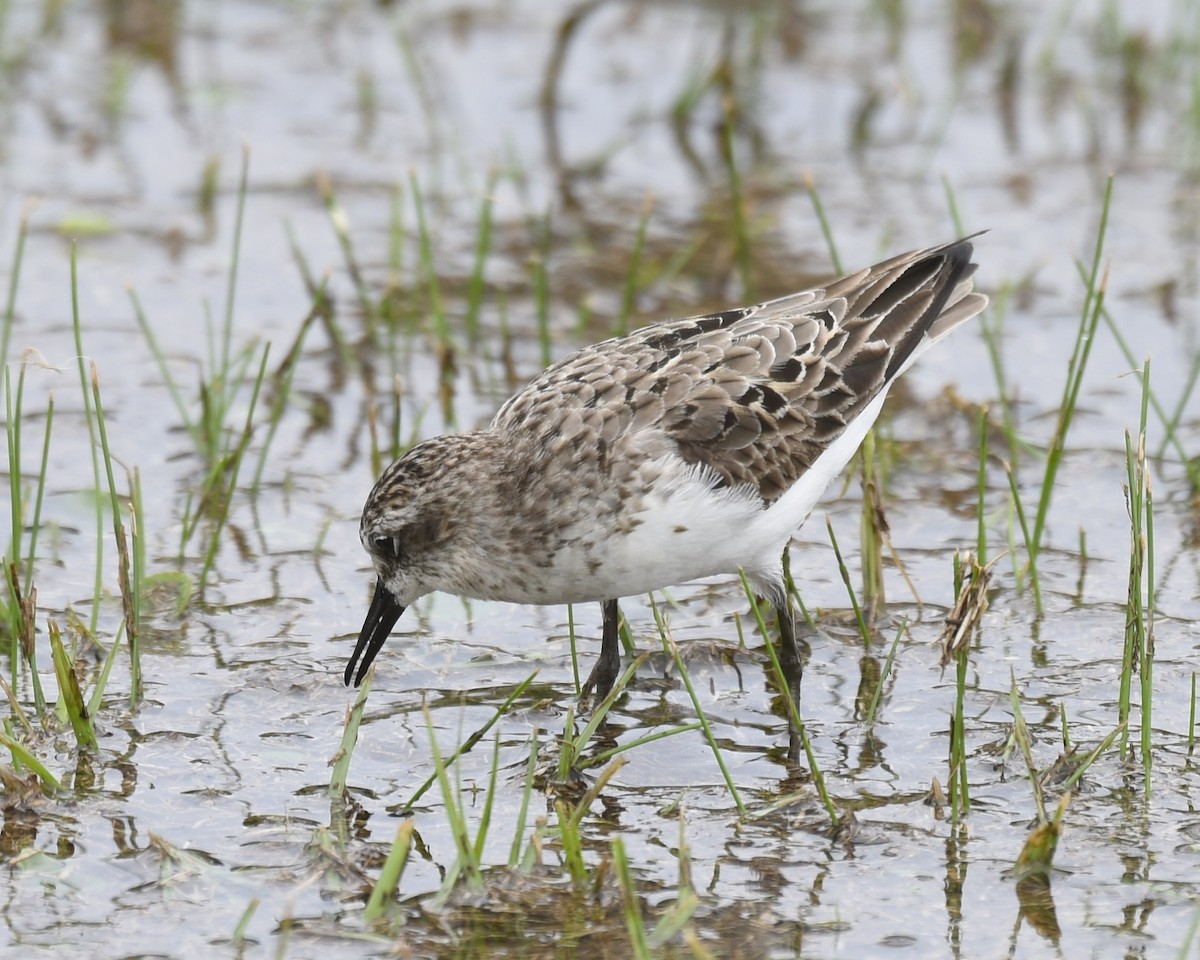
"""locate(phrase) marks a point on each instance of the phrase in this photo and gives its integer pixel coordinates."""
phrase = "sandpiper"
(686, 449)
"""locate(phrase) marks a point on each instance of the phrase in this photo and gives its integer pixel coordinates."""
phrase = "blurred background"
(293, 237)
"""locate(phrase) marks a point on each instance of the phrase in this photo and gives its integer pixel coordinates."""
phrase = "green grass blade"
(46, 780)
(1191, 737)
(572, 843)
(672, 650)
(95, 701)
(98, 583)
(389, 877)
(35, 526)
(341, 759)
(593, 792)
(238, 938)
(541, 285)
(164, 369)
(630, 289)
(467, 861)
(737, 201)
(485, 818)
(14, 281)
(1169, 421)
(1037, 853)
(1021, 735)
(474, 738)
(574, 648)
(981, 491)
(1030, 548)
(793, 709)
(283, 378)
(18, 628)
(477, 284)
(1082, 767)
(130, 602)
(1093, 306)
(235, 259)
(234, 463)
(869, 719)
(69, 693)
(871, 527)
(952, 206)
(634, 923)
(514, 854)
(15, 710)
(863, 630)
(814, 196)
(604, 756)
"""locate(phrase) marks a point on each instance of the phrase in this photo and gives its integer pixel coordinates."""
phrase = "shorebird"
(687, 449)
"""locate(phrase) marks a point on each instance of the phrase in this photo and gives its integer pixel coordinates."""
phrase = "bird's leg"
(793, 668)
(604, 674)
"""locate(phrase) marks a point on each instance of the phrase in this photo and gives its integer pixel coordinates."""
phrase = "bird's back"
(757, 394)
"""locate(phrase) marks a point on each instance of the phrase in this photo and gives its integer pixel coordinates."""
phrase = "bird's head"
(407, 527)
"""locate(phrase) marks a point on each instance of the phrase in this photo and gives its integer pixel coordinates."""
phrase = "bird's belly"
(694, 531)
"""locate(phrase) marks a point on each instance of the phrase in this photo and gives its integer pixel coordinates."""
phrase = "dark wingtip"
(385, 611)
(939, 269)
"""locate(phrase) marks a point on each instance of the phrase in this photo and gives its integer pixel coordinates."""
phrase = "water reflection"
(1036, 908)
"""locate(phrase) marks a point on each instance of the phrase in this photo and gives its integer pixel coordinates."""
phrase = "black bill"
(382, 616)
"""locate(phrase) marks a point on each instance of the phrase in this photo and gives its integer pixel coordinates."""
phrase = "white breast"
(685, 528)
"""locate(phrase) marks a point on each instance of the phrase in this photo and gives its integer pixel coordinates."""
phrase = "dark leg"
(793, 668)
(604, 674)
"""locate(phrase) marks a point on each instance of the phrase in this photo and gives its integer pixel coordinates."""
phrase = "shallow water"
(211, 795)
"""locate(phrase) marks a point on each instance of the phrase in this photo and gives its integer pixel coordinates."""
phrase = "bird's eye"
(388, 547)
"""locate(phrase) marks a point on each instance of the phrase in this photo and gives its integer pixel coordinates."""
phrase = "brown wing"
(758, 393)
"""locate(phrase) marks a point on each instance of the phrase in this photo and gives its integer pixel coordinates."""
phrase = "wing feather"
(755, 394)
